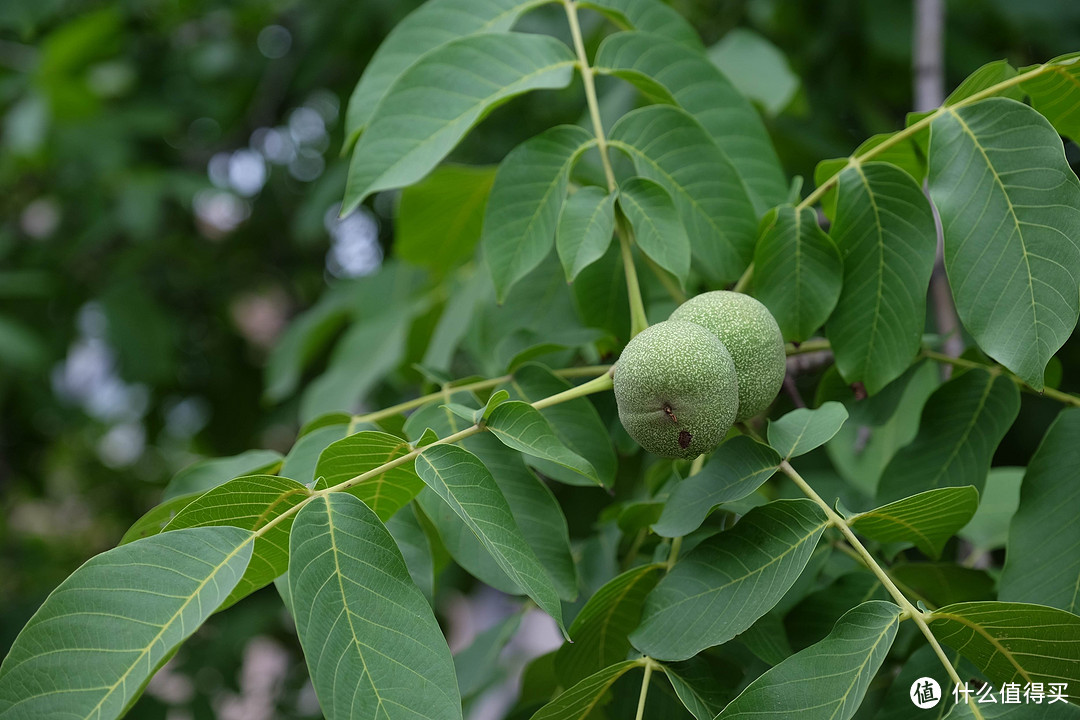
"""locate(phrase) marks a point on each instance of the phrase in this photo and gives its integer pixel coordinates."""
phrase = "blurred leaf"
(20, 348)
(989, 528)
(462, 481)
(600, 296)
(944, 583)
(674, 73)
(804, 429)
(813, 618)
(523, 208)
(305, 337)
(585, 228)
(156, 518)
(657, 229)
(828, 680)
(416, 550)
(962, 424)
(436, 101)
(1014, 642)
(703, 684)
(249, 503)
(600, 631)
(767, 638)
(96, 639)
(927, 519)
(797, 271)
(362, 453)
(736, 469)
(1042, 566)
(649, 16)
(206, 474)
(477, 666)
(756, 67)
(300, 463)
(723, 585)
(439, 218)
(885, 232)
(389, 652)
(997, 172)
(669, 147)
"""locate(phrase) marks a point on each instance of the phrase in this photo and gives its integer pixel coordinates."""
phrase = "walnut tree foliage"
(785, 574)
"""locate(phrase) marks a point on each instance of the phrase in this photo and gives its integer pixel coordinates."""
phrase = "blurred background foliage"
(170, 175)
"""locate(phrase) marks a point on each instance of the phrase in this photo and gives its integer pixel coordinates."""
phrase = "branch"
(638, 321)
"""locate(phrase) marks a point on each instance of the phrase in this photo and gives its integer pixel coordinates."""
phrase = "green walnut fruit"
(750, 333)
(676, 389)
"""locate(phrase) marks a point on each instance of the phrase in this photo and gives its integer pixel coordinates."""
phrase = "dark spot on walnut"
(671, 413)
(684, 439)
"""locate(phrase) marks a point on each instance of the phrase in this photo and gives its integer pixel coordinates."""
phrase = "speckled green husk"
(750, 333)
(676, 389)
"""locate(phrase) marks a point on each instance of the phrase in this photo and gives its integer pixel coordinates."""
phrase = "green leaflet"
(884, 229)
(927, 519)
(961, 426)
(1055, 93)
(521, 426)
(1010, 212)
(577, 702)
(585, 229)
(826, 681)
(652, 16)
(998, 501)
(1014, 642)
(730, 580)
(156, 518)
(671, 72)
(797, 271)
(249, 503)
(805, 429)
(657, 228)
(525, 202)
(434, 102)
(736, 469)
(1040, 566)
(372, 644)
(102, 633)
(361, 453)
(462, 481)
(669, 147)
(600, 631)
(432, 25)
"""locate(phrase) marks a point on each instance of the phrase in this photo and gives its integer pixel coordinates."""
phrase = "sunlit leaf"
(927, 519)
(801, 430)
(362, 453)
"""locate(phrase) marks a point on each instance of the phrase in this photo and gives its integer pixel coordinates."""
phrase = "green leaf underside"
(657, 228)
(944, 583)
(439, 219)
(102, 633)
(730, 580)
(648, 16)
(156, 518)
(436, 100)
(1043, 566)
(885, 232)
(797, 271)
(736, 469)
(927, 519)
(1014, 642)
(805, 429)
(669, 72)
(430, 26)
(585, 228)
(206, 474)
(462, 481)
(1055, 93)
(250, 503)
(525, 202)
(826, 681)
(669, 147)
(580, 700)
(372, 644)
(576, 423)
(904, 154)
(703, 684)
(1010, 211)
(600, 631)
(363, 452)
(961, 426)
(521, 426)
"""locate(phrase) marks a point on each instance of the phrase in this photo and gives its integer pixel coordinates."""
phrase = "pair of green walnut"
(682, 383)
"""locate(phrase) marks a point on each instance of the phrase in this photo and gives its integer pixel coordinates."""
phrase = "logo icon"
(925, 693)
